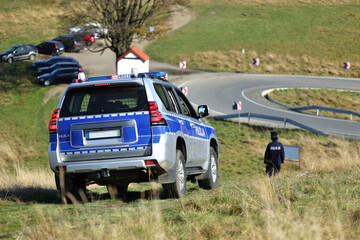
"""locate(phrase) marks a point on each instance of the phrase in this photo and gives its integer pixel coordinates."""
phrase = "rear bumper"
(164, 156)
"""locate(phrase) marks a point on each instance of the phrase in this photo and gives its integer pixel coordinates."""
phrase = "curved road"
(220, 90)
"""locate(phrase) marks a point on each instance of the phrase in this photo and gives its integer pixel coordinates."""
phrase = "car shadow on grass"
(52, 196)
(30, 195)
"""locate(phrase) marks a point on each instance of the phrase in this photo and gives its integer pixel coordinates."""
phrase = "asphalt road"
(220, 90)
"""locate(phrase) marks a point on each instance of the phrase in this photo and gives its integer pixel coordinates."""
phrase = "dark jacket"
(274, 153)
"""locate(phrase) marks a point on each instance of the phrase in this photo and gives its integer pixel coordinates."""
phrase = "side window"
(173, 101)
(162, 95)
(186, 105)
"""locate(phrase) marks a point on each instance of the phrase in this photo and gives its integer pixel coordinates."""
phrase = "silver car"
(113, 131)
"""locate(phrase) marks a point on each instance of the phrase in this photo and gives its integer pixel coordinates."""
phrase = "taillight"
(60, 168)
(80, 69)
(151, 162)
(56, 46)
(155, 116)
(53, 121)
(76, 44)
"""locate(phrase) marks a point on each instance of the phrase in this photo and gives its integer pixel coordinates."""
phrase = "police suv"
(119, 129)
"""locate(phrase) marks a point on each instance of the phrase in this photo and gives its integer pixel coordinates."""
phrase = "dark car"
(19, 52)
(61, 75)
(51, 47)
(49, 69)
(51, 61)
(71, 42)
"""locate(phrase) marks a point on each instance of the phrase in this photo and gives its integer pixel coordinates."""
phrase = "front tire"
(211, 180)
(178, 188)
(10, 60)
(32, 57)
(47, 83)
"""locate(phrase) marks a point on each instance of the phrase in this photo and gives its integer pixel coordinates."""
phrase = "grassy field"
(24, 21)
(289, 37)
(320, 97)
(323, 204)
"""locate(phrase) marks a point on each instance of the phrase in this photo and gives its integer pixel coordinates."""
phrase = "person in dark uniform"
(274, 156)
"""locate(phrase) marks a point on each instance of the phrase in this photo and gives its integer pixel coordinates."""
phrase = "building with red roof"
(133, 58)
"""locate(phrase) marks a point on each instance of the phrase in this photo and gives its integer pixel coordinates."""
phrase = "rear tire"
(211, 180)
(32, 57)
(178, 188)
(72, 190)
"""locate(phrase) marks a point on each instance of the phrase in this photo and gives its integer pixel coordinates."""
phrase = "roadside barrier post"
(182, 66)
(255, 62)
(237, 106)
(346, 66)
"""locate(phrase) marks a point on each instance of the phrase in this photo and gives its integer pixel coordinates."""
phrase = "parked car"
(75, 29)
(95, 32)
(60, 75)
(19, 52)
(51, 47)
(101, 28)
(86, 37)
(139, 129)
(98, 29)
(71, 42)
(49, 69)
(51, 61)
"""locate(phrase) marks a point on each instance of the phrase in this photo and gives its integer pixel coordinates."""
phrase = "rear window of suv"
(104, 100)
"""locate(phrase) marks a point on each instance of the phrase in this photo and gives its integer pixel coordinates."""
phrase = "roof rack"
(157, 75)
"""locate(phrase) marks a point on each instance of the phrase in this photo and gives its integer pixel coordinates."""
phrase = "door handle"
(181, 122)
(192, 125)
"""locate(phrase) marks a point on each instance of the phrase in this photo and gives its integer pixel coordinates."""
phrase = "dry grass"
(280, 2)
(23, 178)
(331, 154)
(19, 21)
(269, 63)
(320, 97)
(282, 220)
(136, 223)
(13, 150)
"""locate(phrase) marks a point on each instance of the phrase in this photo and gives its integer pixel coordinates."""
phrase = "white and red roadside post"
(237, 106)
(182, 66)
(184, 90)
(255, 62)
(346, 66)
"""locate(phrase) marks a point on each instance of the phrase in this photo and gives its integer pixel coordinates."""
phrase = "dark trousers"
(270, 168)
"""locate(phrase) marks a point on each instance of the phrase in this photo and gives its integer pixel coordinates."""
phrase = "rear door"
(108, 121)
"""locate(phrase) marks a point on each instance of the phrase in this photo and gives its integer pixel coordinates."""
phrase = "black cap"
(274, 135)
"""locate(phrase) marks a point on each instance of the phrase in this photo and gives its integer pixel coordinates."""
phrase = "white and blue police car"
(119, 129)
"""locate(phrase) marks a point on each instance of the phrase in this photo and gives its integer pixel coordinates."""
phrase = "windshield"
(11, 49)
(104, 100)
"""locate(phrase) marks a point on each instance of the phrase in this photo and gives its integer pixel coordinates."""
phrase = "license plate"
(100, 134)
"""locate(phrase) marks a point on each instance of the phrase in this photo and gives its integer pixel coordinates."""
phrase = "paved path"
(220, 90)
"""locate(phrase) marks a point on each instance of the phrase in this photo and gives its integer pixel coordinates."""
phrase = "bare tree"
(127, 20)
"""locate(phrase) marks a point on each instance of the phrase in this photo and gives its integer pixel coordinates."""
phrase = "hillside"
(289, 37)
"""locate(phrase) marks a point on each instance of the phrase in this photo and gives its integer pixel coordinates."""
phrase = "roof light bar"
(160, 74)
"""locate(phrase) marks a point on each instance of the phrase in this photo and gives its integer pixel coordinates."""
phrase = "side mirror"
(203, 111)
